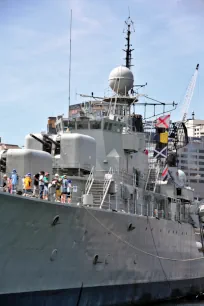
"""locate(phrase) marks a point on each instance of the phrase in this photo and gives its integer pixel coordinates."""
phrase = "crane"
(189, 94)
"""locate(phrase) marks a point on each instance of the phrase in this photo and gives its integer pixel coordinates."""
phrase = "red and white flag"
(165, 173)
(163, 122)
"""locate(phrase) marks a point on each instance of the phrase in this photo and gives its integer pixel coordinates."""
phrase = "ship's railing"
(118, 174)
(129, 129)
(107, 181)
(156, 205)
(73, 200)
(148, 204)
(140, 202)
(148, 127)
(114, 203)
(152, 205)
(153, 176)
(90, 181)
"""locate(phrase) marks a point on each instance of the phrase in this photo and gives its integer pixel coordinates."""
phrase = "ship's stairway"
(152, 179)
(97, 192)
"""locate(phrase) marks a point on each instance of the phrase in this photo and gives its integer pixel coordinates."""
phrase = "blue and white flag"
(161, 153)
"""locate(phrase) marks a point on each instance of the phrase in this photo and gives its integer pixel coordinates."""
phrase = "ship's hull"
(120, 295)
(91, 256)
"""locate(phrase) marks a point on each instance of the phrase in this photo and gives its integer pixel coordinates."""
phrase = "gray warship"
(128, 236)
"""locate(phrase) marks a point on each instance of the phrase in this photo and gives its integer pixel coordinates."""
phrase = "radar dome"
(121, 80)
(178, 176)
(181, 177)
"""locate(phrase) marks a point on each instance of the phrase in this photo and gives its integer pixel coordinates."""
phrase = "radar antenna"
(70, 60)
(129, 28)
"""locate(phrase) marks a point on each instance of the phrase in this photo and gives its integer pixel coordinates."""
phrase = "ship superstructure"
(129, 235)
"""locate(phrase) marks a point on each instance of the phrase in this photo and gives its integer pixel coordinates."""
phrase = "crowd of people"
(40, 186)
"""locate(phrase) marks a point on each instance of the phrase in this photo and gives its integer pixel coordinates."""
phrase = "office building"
(191, 161)
(195, 127)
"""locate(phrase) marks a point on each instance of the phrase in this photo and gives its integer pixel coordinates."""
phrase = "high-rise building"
(191, 157)
(195, 127)
(191, 161)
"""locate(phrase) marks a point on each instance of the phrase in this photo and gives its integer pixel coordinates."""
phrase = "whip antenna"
(70, 58)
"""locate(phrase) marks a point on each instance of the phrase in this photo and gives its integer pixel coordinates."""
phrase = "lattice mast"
(129, 28)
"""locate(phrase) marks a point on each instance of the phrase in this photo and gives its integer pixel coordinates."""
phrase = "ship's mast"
(129, 28)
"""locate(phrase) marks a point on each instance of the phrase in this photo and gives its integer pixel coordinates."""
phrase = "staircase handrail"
(89, 181)
(147, 180)
(107, 181)
(134, 180)
(157, 176)
(157, 169)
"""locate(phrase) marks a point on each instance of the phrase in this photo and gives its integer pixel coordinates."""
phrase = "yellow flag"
(164, 137)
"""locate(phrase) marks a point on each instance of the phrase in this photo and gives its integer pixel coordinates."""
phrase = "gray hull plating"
(90, 256)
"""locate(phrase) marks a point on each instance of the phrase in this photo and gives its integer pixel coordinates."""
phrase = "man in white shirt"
(41, 183)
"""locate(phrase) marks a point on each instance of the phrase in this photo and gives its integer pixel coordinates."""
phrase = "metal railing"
(157, 170)
(134, 180)
(143, 203)
(90, 181)
(148, 176)
(130, 129)
(157, 176)
(107, 181)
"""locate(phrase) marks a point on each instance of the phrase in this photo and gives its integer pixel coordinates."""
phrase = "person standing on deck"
(69, 191)
(23, 185)
(9, 184)
(36, 185)
(52, 188)
(46, 184)
(41, 183)
(14, 181)
(5, 183)
(58, 189)
(64, 189)
(28, 183)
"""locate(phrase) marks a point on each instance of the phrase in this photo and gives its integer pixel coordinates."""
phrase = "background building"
(195, 128)
(6, 146)
(51, 125)
(191, 161)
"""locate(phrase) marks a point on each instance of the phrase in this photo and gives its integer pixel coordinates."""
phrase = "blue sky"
(34, 55)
